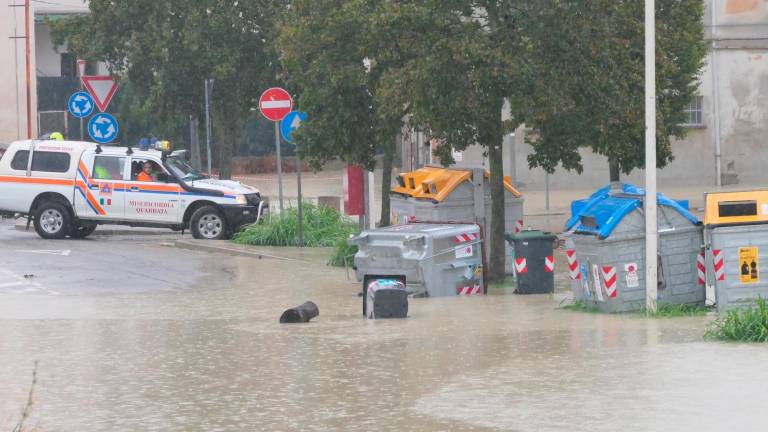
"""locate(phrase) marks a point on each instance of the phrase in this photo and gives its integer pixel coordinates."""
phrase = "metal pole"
(546, 191)
(716, 101)
(208, 128)
(651, 233)
(29, 72)
(298, 188)
(279, 166)
(16, 70)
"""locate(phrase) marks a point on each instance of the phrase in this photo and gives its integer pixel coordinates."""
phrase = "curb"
(227, 248)
(108, 232)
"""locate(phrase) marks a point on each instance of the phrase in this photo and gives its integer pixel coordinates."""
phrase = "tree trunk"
(615, 173)
(227, 146)
(496, 233)
(194, 142)
(386, 180)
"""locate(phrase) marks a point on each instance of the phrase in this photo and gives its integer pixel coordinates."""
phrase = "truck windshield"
(183, 170)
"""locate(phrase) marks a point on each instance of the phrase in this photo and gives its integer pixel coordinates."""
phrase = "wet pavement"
(133, 335)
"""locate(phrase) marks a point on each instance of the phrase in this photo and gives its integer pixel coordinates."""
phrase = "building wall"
(13, 95)
(48, 60)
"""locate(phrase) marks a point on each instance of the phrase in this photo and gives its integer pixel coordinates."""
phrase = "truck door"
(152, 193)
(100, 187)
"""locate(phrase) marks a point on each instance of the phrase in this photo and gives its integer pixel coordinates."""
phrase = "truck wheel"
(83, 230)
(208, 223)
(52, 220)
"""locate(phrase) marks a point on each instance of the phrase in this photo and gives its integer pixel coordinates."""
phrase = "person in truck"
(146, 174)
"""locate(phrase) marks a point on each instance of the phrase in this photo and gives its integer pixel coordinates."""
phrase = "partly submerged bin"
(385, 298)
(606, 251)
(534, 262)
(433, 259)
(435, 194)
(736, 235)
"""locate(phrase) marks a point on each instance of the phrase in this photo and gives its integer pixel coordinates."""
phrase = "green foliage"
(667, 310)
(580, 306)
(586, 76)
(170, 47)
(323, 227)
(342, 254)
(747, 324)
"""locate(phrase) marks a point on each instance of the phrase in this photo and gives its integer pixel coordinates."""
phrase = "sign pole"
(81, 70)
(298, 182)
(279, 166)
(651, 234)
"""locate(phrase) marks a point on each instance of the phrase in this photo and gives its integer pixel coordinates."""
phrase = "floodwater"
(211, 356)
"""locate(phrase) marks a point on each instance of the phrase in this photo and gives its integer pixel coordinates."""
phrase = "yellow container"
(724, 208)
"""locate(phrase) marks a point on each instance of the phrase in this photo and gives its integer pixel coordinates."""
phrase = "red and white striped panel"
(521, 265)
(461, 238)
(718, 262)
(518, 226)
(469, 290)
(549, 264)
(609, 277)
(573, 264)
(701, 268)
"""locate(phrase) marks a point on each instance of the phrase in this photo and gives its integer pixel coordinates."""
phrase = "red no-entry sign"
(275, 103)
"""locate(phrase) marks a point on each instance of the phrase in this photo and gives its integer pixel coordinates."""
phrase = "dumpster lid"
(434, 183)
(736, 207)
(605, 210)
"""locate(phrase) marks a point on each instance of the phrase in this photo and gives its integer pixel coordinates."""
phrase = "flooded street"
(175, 340)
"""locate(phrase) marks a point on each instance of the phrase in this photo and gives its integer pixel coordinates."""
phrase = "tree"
(588, 58)
(168, 48)
(331, 54)
(462, 66)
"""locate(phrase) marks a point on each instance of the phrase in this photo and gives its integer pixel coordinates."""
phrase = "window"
(108, 168)
(20, 160)
(693, 112)
(43, 161)
(153, 172)
(50, 161)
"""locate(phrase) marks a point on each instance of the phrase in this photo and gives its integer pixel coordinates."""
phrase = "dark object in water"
(300, 314)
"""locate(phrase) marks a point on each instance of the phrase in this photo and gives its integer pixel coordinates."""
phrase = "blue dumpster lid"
(606, 210)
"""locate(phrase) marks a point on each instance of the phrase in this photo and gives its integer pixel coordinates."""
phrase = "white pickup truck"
(67, 188)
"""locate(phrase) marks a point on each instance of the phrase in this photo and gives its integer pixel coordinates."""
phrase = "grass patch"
(747, 324)
(342, 254)
(580, 306)
(323, 227)
(666, 310)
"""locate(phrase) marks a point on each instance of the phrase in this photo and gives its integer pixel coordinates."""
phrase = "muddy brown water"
(212, 357)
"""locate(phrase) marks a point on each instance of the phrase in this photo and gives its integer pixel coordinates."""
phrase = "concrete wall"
(13, 95)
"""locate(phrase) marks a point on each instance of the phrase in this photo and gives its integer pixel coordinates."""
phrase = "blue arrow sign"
(290, 123)
(80, 104)
(103, 128)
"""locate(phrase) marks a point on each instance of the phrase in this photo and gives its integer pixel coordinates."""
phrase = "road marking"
(64, 252)
(21, 285)
(10, 284)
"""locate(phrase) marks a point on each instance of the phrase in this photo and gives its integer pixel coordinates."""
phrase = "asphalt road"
(101, 264)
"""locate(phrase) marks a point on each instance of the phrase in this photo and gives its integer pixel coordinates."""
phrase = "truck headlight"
(241, 199)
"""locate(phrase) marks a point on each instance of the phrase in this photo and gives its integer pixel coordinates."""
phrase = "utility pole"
(651, 232)
(27, 62)
(208, 123)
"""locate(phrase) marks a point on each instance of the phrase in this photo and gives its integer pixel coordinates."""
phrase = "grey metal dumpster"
(736, 233)
(433, 259)
(453, 195)
(606, 255)
(534, 262)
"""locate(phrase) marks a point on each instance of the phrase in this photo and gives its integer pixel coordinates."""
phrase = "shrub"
(747, 324)
(342, 254)
(323, 226)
